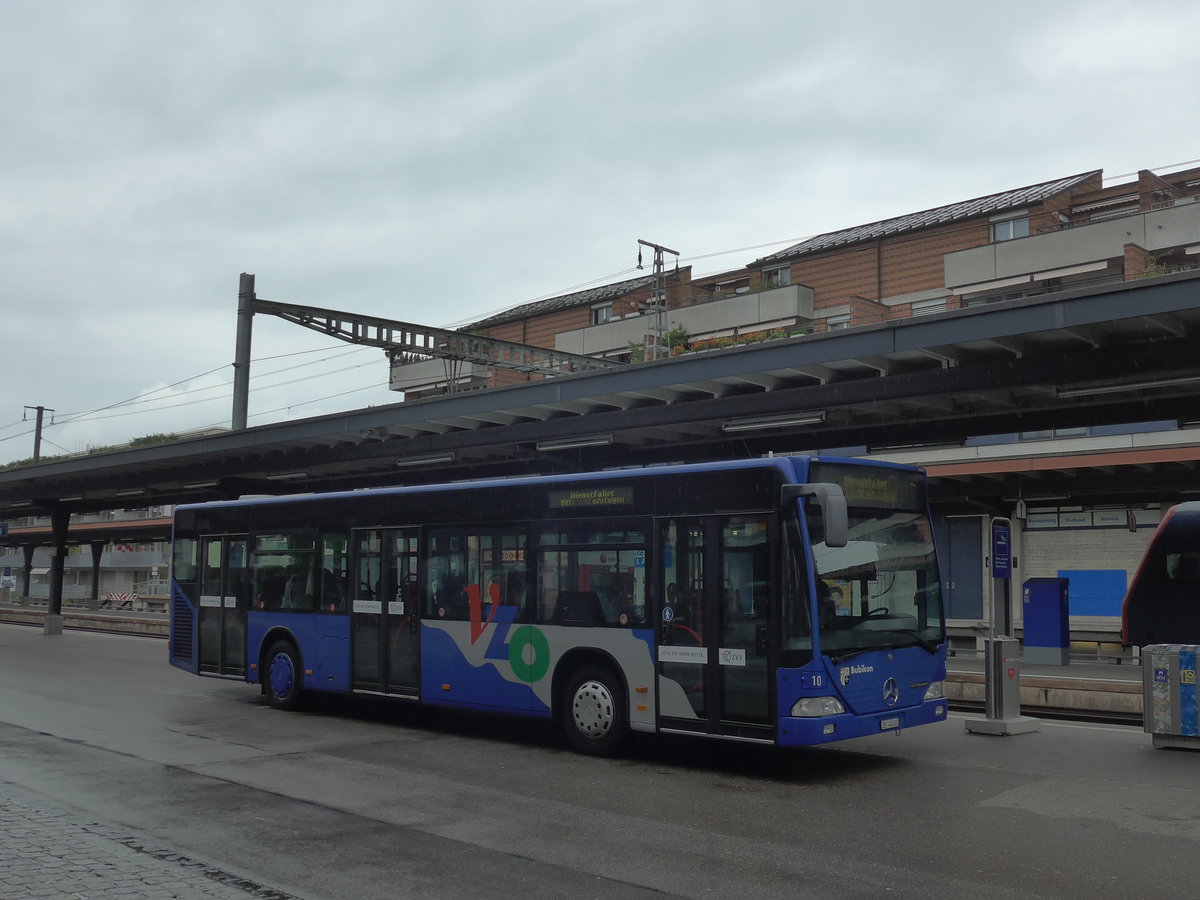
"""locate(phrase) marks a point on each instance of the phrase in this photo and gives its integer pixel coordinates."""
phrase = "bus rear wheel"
(593, 711)
(283, 683)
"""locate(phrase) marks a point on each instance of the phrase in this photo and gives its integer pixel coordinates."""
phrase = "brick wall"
(1137, 261)
(867, 312)
(837, 276)
(540, 331)
(904, 264)
(1046, 551)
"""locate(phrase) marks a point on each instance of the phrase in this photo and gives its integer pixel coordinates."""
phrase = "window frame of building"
(1051, 434)
(838, 322)
(1009, 228)
(602, 313)
(928, 307)
(731, 287)
(776, 277)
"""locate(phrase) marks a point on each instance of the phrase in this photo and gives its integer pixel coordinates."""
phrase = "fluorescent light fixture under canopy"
(761, 423)
(591, 440)
(429, 459)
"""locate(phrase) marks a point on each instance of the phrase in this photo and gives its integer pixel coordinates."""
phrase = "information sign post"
(1002, 674)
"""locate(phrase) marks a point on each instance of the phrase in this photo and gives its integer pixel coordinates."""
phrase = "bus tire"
(594, 717)
(284, 677)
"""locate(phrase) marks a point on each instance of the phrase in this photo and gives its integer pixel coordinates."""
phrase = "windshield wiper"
(922, 642)
(837, 657)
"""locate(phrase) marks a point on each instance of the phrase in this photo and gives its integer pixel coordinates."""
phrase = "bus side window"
(271, 583)
(286, 570)
(450, 599)
(516, 593)
(335, 580)
(302, 585)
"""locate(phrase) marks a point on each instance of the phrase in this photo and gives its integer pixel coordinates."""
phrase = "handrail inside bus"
(832, 501)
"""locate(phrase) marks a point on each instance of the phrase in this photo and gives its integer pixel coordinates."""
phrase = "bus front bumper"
(800, 732)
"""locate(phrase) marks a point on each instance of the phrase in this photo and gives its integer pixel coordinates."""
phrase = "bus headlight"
(811, 707)
(936, 691)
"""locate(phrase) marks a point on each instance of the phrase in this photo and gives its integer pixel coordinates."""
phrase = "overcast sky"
(435, 162)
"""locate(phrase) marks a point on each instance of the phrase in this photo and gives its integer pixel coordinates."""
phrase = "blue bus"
(785, 601)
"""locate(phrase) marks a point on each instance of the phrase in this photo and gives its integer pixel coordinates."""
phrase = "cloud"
(434, 163)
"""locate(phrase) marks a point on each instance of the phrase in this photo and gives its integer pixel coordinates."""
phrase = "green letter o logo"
(535, 668)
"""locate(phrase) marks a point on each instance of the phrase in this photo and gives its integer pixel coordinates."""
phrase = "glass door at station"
(714, 621)
(225, 595)
(384, 626)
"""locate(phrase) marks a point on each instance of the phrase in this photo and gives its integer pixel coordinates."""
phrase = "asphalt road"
(100, 737)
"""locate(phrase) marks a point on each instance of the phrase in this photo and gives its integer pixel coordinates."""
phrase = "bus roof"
(788, 465)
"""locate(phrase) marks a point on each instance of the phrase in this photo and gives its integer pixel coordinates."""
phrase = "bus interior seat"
(578, 608)
(270, 595)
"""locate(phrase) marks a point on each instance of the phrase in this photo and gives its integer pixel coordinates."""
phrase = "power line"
(267, 412)
(17, 435)
(146, 398)
(377, 384)
(76, 416)
(1155, 170)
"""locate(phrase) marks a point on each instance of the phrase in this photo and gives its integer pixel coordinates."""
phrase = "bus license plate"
(885, 724)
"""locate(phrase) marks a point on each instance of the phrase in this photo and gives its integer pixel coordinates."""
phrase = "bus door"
(715, 617)
(226, 593)
(384, 618)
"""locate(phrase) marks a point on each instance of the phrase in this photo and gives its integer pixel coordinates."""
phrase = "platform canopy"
(1096, 357)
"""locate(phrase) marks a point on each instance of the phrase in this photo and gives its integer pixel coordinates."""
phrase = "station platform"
(117, 621)
(1084, 688)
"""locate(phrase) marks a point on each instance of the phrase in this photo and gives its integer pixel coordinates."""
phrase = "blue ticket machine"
(1047, 627)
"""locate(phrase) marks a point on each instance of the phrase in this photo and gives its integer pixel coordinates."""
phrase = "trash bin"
(1047, 623)
(1171, 710)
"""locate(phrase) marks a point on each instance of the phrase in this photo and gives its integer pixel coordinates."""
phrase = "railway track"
(1098, 717)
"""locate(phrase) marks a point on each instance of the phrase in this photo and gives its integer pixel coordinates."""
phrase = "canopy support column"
(60, 519)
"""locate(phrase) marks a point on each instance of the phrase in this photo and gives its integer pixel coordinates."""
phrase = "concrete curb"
(1058, 692)
(147, 627)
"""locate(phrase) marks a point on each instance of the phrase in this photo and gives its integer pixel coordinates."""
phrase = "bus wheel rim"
(282, 675)
(593, 709)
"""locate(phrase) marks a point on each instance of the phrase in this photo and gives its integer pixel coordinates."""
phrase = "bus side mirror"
(832, 501)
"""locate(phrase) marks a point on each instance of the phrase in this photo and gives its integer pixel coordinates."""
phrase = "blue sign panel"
(1001, 551)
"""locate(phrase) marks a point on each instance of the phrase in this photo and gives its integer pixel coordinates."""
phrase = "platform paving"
(46, 851)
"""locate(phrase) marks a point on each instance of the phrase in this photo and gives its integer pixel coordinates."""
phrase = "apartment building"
(1067, 233)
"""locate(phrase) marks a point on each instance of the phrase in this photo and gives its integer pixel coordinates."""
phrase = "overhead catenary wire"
(267, 412)
(225, 396)
(145, 399)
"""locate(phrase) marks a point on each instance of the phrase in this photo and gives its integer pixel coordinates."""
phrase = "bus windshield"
(881, 591)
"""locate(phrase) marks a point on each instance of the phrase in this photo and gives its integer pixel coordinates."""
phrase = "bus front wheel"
(283, 676)
(593, 714)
